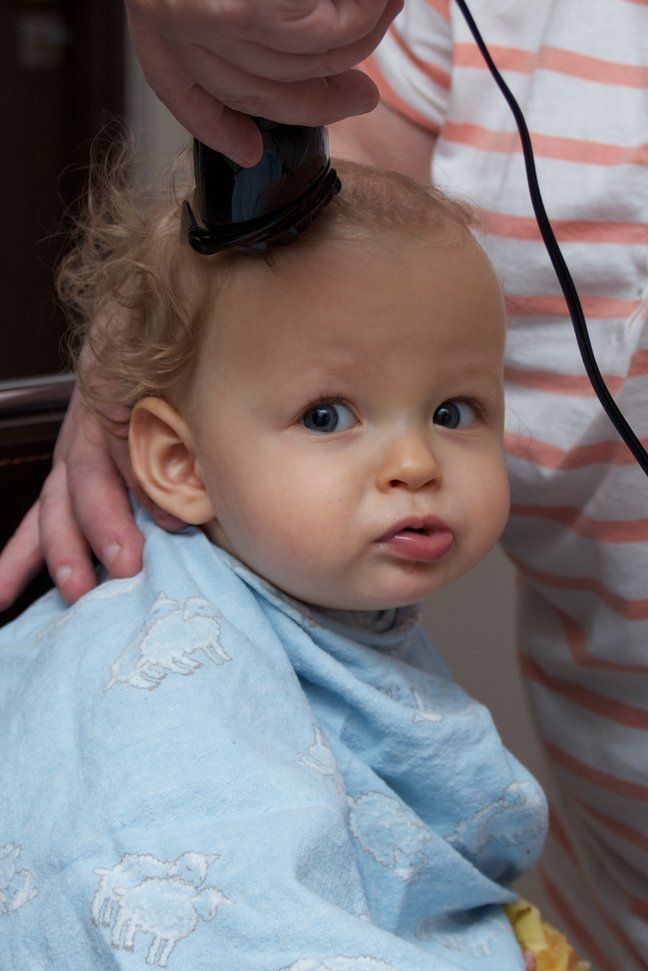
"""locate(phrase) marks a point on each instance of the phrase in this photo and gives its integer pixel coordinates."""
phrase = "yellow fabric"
(551, 949)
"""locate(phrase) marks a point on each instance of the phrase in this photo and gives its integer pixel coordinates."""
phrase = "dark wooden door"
(61, 70)
(61, 78)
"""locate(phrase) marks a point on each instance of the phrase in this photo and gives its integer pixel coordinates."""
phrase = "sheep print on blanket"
(198, 772)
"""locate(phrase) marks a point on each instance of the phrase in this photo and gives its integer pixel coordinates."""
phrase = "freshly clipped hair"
(138, 296)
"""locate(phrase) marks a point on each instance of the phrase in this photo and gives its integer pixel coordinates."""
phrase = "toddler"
(249, 757)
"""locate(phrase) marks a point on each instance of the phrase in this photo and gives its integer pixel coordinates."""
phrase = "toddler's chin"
(361, 600)
(400, 588)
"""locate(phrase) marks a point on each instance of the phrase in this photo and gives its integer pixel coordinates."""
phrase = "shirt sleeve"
(412, 65)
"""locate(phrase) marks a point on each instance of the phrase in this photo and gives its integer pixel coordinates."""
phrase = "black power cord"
(556, 257)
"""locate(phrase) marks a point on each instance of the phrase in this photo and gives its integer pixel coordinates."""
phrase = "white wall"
(159, 136)
(473, 622)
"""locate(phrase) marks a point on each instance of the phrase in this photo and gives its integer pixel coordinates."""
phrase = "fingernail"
(62, 575)
(246, 161)
(248, 158)
(110, 553)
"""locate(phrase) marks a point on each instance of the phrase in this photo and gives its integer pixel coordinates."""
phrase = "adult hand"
(83, 506)
(214, 62)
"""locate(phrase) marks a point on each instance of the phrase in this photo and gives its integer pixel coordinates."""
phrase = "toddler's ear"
(162, 453)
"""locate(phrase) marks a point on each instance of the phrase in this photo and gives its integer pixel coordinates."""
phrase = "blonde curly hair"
(138, 296)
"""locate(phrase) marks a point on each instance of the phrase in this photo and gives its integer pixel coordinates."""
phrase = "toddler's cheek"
(492, 505)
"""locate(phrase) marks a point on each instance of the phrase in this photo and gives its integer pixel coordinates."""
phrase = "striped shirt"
(578, 532)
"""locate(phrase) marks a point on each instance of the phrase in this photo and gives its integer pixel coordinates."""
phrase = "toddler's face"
(347, 409)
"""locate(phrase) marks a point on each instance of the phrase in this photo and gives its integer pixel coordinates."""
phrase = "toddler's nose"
(409, 463)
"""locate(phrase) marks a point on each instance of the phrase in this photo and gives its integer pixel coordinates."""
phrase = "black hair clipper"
(272, 202)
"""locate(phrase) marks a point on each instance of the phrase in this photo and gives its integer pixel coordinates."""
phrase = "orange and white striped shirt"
(579, 526)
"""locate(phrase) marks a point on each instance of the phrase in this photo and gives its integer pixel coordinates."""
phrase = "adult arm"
(83, 508)
(386, 139)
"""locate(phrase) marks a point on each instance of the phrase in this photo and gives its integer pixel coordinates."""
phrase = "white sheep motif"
(172, 633)
(516, 817)
(390, 832)
(16, 886)
(318, 756)
(421, 713)
(167, 909)
(136, 867)
(436, 707)
(164, 898)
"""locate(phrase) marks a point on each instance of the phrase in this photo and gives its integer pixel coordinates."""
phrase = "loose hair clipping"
(273, 202)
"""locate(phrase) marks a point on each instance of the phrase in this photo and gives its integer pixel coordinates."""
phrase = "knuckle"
(249, 104)
(51, 488)
(320, 31)
(335, 62)
(77, 476)
(234, 16)
(225, 17)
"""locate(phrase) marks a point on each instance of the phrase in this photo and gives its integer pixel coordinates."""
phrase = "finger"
(232, 133)
(100, 504)
(275, 64)
(224, 125)
(315, 101)
(218, 118)
(64, 549)
(20, 560)
(319, 101)
(200, 113)
(352, 14)
(294, 27)
(327, 100)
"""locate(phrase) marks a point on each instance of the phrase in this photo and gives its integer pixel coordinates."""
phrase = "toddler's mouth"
(424, 539)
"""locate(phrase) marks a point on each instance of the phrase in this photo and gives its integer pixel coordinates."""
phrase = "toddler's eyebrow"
(339, 368)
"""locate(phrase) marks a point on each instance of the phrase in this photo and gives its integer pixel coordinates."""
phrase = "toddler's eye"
(455, 414)
(328, 416)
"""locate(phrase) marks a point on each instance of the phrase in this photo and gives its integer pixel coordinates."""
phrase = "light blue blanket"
(198, 772)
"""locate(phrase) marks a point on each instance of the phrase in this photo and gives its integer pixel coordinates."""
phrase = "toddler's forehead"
(314, 257)
(368, 292)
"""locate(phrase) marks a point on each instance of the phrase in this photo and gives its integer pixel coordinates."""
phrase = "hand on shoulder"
(83, 508)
